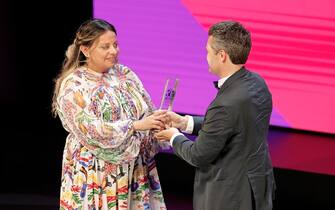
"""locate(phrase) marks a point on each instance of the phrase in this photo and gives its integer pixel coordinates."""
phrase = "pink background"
(293, 49)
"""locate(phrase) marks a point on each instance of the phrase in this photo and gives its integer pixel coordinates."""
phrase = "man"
(231, 156)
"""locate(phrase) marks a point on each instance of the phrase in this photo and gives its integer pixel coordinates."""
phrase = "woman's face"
(103, 54)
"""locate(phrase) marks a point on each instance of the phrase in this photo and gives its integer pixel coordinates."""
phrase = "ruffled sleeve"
(92, 116)
(152, 144)
(132, 76)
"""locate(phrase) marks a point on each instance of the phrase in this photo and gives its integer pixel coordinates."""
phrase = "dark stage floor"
(304, 170)
(36, 202)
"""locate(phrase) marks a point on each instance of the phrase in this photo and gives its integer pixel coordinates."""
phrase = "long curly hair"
(86, 35)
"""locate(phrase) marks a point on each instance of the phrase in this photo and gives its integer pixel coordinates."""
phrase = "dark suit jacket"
(231, 152)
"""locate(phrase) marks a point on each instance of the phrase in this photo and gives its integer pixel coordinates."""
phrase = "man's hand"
(165, 135)
(177, 120)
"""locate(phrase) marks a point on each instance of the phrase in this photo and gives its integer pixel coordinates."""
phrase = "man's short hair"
(233, 38)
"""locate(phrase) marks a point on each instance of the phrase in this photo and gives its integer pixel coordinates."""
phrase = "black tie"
(216, 85)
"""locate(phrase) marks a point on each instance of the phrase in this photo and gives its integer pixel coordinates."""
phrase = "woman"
(108, 157)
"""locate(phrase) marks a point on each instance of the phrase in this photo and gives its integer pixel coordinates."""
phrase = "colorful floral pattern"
(106, 164)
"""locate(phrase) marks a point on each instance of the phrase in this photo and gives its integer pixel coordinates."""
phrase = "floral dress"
(106, 164)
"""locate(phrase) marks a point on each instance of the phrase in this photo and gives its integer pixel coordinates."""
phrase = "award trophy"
(168, 95)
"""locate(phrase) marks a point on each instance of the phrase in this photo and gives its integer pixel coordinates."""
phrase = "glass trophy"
(168, 94)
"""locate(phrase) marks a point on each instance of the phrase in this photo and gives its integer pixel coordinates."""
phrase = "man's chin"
(211, 71)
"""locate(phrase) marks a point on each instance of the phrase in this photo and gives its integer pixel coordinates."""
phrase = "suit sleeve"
(197, 124)
(216, 130)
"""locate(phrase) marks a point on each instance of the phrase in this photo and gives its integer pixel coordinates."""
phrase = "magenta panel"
(293, 49)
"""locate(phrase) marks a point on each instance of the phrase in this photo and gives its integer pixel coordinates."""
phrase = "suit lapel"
(237, 75)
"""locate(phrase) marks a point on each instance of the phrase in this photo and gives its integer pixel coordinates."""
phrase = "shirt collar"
(222, 80)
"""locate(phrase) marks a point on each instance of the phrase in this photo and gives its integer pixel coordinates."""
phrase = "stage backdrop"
(293, 49)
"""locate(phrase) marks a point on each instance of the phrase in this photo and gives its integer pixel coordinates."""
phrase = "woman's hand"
(155, 121)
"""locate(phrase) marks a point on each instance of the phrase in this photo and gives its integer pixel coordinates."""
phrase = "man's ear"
(223, 55)
(84, 50)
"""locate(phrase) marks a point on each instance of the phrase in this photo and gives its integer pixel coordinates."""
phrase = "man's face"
(213, 58)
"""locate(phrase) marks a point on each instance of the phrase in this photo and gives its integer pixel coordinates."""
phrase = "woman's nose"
(113, 50)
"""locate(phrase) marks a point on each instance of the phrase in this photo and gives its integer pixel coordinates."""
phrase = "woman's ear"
(84, 50)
